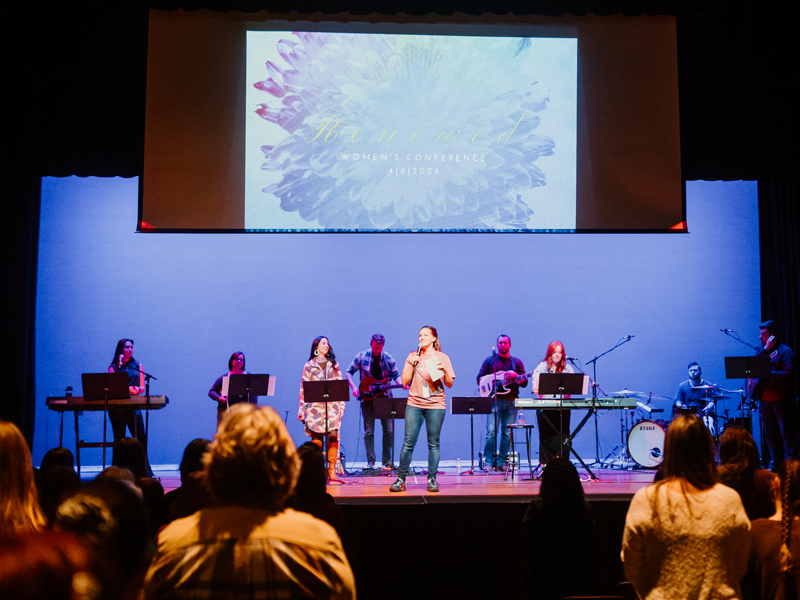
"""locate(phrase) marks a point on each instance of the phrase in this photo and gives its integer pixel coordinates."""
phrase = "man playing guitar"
(377, 371)
(510, 374)
(776, 397)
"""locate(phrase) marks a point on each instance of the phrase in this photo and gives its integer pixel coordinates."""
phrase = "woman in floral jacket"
(322, 366)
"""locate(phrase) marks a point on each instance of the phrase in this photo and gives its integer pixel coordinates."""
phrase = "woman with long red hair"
(555, 361)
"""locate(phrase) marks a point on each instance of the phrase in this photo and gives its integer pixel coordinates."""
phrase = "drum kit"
(642, 439)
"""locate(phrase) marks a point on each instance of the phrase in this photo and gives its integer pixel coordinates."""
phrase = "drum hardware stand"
(620, 451)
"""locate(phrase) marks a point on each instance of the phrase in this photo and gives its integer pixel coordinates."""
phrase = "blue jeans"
(506, 411)
(433, 417)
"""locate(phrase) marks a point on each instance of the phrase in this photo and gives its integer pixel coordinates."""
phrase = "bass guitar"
(371, 387)
(486, 383)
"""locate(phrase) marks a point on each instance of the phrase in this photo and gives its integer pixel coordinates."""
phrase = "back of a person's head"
(50, 565)
(57, 457)
(252, 460)
(111, 517)
(689, 452)
(54, 484)
(19, 503)
(192, 496)
(128, 453)
(313, 477)
(192, 460)
(737, 447)
(561, 487)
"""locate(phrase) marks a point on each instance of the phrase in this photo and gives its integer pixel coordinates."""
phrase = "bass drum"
(646, 443)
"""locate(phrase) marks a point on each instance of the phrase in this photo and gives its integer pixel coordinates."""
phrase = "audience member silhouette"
(249, 544)
(741, 470)
(19, 500)
(129, 453)
(57, 457)
(49, 565)
(311, 496)
(686, 536)
(109, 517)
(773, 566)
(192, 495)
(560, 534)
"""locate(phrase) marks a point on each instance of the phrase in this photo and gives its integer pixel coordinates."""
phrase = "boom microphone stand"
(595, 387)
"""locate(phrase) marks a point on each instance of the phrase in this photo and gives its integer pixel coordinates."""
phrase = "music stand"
(105, 387)
(472, 407)
(316, 392)
(390, 408)
(748, 367)
(251, 385)
(561, 384)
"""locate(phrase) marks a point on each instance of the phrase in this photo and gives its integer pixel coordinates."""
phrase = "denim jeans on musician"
(433, 417)
(368, 410)
(507, 411)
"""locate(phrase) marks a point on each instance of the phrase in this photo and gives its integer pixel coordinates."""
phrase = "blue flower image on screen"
(379, 132)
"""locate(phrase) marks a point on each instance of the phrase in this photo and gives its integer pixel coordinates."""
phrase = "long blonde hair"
(19, 502)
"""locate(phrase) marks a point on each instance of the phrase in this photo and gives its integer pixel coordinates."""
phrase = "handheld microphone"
(419, 351)
(494, 350)
(120, 361)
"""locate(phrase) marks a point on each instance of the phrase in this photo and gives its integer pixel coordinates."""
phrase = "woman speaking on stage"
(426, 371)
(555, 361)
(322, 366)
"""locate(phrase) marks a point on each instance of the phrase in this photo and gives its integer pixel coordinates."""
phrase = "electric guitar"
(486, 383)
(371, 387)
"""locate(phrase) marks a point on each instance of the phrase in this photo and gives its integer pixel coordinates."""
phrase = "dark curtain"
(780, 260)
(73, 104)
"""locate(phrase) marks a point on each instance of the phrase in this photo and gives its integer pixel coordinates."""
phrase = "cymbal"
(703, 387)
(628, 393)
(653, 396)
(719, 397)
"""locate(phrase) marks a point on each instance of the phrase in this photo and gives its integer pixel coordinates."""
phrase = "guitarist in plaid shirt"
(375, 364)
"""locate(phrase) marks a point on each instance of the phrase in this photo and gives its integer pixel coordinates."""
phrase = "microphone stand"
(147, 378)
(595, 387)
(732, 334)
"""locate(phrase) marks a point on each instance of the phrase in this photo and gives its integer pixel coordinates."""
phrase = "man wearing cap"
(378, 365)
(776, 396)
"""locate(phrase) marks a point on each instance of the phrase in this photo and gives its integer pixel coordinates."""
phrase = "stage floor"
(365, 488)
(613, 484)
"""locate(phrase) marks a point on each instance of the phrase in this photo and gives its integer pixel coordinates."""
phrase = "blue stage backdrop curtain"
(190, 300)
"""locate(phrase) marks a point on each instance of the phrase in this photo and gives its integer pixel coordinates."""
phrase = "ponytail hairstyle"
(435, 333)
(789, 473)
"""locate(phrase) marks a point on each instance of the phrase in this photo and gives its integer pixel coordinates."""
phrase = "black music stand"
(336, 390)
(561, 384)
(749, 367)
(390, 408)
(250, 385)
(472, 407)
(105, 387)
